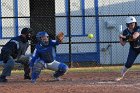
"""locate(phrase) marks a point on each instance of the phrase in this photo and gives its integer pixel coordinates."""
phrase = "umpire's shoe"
(27, 77)
(3, 79)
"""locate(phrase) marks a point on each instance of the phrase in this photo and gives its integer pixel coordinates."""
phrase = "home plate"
(109, 82)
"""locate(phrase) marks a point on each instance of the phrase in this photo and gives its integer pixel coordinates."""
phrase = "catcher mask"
(43, 38)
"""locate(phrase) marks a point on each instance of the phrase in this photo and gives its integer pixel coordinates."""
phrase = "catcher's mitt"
(60, 37)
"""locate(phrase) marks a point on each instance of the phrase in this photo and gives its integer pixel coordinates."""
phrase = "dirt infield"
(78, 82)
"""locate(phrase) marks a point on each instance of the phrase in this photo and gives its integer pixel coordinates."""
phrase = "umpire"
(14, 51)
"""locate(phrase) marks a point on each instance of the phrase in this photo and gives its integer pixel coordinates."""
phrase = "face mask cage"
(42, 42)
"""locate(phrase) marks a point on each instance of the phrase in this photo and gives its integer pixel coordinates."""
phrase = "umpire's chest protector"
(22, 48)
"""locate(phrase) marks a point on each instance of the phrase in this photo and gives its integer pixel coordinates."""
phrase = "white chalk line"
(113, 83)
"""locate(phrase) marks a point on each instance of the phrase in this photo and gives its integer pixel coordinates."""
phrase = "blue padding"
(78, 57)
(35, 76)
(63, 67)
(35, 73)
(62, 70)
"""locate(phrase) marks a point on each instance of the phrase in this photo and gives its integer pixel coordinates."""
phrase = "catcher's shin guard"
(35, 74)
(61, 71)
(36, 70)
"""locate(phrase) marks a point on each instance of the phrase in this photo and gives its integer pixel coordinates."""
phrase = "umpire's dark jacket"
(16, 47)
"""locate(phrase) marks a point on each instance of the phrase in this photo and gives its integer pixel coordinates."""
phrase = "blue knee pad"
(62, 69)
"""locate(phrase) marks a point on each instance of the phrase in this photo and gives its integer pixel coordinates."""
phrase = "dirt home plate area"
(77, 82)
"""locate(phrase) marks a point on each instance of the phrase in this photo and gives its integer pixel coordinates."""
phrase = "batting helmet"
(130, 19)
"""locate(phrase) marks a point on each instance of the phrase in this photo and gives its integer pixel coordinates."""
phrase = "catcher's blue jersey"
(45, 53)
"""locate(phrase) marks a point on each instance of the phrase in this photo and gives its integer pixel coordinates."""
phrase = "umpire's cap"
(26, 31)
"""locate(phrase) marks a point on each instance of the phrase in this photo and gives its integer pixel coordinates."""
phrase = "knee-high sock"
(124, 70)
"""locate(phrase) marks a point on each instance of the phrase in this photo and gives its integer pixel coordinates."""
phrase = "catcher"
(44, 56)
(132, 35)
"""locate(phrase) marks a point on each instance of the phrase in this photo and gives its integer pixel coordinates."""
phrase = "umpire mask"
(27, 33)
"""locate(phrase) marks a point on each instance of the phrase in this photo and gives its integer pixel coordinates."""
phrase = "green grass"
(88, 69)
(103, 69)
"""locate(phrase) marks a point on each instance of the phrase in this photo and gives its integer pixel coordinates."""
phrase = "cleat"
(33, 81)
(119, 78)
(27, 77)
(3, 80)
(57, 79)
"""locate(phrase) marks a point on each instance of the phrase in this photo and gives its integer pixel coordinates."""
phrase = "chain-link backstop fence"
(76, 18)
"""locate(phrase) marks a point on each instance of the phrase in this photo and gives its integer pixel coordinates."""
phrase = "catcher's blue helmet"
(41, 34)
